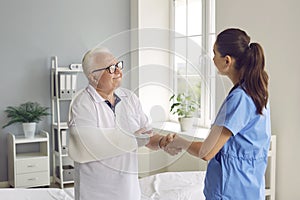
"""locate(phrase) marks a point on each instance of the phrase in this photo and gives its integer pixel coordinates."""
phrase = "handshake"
(173, 144)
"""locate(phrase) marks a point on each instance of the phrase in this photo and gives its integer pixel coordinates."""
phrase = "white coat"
(114, 178)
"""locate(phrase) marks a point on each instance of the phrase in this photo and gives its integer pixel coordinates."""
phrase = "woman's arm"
(216, 139)
(206, 150)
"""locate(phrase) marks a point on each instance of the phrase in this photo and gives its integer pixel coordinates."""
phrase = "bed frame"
(271, 170)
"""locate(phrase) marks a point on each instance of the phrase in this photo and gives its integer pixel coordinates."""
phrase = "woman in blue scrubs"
(238, 143)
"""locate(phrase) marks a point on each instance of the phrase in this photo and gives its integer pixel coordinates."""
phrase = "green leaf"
(172, 97)
(26, 112)
(184, 103)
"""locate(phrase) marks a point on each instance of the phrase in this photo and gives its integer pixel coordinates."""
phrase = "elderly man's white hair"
(96, 58)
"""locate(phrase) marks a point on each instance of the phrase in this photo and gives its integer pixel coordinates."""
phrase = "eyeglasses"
(112, 68)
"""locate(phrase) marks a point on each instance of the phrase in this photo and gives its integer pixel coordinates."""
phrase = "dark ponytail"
(255, 77)
(250, 62)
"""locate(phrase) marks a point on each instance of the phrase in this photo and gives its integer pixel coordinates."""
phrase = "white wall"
(150, 24)
(32, 31)
(153, 81)
(151, 69)
(275, 24)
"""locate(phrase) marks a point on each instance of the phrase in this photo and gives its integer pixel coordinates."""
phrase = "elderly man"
(102, 170)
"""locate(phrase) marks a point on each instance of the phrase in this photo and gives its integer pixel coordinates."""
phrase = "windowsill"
(173, 127)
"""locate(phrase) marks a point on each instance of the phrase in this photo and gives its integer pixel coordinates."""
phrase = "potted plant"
(28, 114)
(184, 106)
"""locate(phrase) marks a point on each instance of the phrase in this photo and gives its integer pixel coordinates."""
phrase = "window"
(193, 22)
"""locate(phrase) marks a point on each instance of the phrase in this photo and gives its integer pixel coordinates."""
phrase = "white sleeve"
(82, 114)
(90, 144)
(131, 117)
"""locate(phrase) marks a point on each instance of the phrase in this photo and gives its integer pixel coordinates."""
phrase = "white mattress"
(163, 186)
(173, 186)
(34, 194)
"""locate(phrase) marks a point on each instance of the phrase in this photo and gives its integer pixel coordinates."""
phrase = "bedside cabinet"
(28, 160)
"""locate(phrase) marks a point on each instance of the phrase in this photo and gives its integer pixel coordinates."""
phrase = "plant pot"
(186, 123)
(29, 129)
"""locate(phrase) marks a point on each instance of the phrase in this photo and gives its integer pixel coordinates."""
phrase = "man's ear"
(92, 79)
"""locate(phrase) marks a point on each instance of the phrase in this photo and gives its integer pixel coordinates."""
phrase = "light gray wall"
(34, 30)
(275, 24)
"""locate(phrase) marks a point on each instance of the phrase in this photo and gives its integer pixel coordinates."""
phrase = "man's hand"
(166, 144)
(176, 145)
(143, 136)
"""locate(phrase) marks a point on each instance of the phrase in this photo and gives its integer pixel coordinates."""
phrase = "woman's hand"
(166, 143)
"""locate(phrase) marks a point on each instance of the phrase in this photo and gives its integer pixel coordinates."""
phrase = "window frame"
(208, 82)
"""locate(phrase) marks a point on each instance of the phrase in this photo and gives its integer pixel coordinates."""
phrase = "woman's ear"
(228, 62)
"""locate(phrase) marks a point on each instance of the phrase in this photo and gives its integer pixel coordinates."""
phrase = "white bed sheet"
(34, 194)
(163, 186)
(173, 186)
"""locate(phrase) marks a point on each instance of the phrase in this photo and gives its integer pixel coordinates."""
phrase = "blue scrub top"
(237, 171)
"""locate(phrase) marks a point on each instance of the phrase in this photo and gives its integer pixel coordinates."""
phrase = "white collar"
(97, 98)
